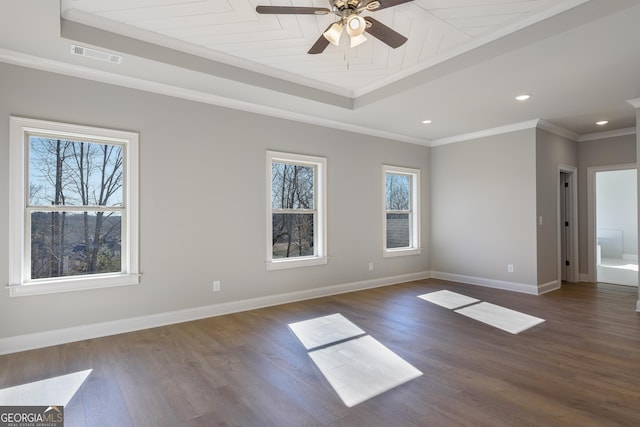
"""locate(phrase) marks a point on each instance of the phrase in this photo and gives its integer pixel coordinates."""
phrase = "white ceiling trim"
(557, 130)
(43, 64)
(530, 124)
(607, 134)
(635, 102)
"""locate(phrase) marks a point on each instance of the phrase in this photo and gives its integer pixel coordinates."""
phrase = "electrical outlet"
(370, 266)
(510, 268)
(216, 285)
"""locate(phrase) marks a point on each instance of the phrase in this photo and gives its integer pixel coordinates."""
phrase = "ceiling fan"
(348, 12)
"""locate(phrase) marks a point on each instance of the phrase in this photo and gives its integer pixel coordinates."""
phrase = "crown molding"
(608, 134)
(635, 102)
(58, 67)
(557, 130)
(530, 124)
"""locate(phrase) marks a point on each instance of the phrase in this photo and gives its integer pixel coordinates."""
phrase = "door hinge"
(566, 223)
(566, 185)
(567, 263)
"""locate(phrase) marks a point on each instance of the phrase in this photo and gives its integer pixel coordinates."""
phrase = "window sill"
(401, 252)
(295, 262)
(70, 284)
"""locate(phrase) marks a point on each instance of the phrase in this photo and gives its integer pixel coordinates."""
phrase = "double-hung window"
(401, 234)
(296, 210)
(73, 214)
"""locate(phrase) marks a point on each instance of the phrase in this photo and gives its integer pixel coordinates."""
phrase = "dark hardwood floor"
(579, 368)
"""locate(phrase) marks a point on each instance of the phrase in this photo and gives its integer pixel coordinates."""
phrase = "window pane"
(75, 243)
(292, 235)
(291, 186)
(398, 192)
(398, 231)
(74, 173)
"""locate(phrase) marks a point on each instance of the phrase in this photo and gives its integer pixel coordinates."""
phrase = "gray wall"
(551, 152)
(483, 207)
(202, 201)
(603, 152)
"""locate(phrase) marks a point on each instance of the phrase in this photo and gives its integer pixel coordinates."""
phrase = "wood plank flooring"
(579, 368)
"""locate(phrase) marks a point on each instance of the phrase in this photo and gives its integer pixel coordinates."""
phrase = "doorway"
(616, 226)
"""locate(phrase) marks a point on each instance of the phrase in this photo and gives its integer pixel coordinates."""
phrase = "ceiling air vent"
(96, 54)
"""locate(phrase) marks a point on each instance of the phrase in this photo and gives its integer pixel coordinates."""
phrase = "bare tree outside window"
(398, 210)
(293, 210)
(75, 205)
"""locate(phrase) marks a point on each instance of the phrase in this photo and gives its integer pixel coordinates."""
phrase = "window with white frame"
(401, 234)
(296, 219)
(74, 214)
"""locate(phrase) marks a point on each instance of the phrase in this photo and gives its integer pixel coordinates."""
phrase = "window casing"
(401, 210)
(74, 207)
(296, 210)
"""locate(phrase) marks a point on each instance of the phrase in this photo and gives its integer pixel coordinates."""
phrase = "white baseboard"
(489, 283)
(96, 330)
(548, 287)
(584, 277)
(638, 306)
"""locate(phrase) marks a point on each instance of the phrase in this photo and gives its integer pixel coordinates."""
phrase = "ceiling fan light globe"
(333, 34)
(356, 25)
(358, 40)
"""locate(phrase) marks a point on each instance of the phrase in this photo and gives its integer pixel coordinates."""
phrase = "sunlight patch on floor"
(448, 299)
(499, 317)
(56, 391)
(356, 365)
(324, 330)
(362, 368)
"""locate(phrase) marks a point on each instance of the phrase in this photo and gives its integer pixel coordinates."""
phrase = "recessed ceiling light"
(523, 97)
(426, 122)
(602, 122)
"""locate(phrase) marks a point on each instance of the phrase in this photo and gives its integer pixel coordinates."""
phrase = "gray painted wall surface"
(551, 152)
(483, 207)
(203, 201)
(605, 152)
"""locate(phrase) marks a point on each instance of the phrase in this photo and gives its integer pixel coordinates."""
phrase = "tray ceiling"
(232, 32)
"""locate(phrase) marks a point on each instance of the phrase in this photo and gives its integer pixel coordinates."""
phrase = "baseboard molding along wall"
(489, 283)
(638, 306)
(96, 330)
(548, 287)
(584, 277)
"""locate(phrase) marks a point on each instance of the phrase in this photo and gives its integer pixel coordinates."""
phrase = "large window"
(73, 207)
(401, 233)
(296, 220)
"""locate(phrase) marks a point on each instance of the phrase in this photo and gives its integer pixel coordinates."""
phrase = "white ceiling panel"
(281, 42)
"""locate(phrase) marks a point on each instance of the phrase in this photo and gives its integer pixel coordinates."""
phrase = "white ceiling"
(234, 29)
(464, 61)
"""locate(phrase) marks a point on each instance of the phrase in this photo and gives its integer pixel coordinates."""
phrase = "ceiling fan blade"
(320, 45)
(390, 3)
(292, 10)
(383, 33)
